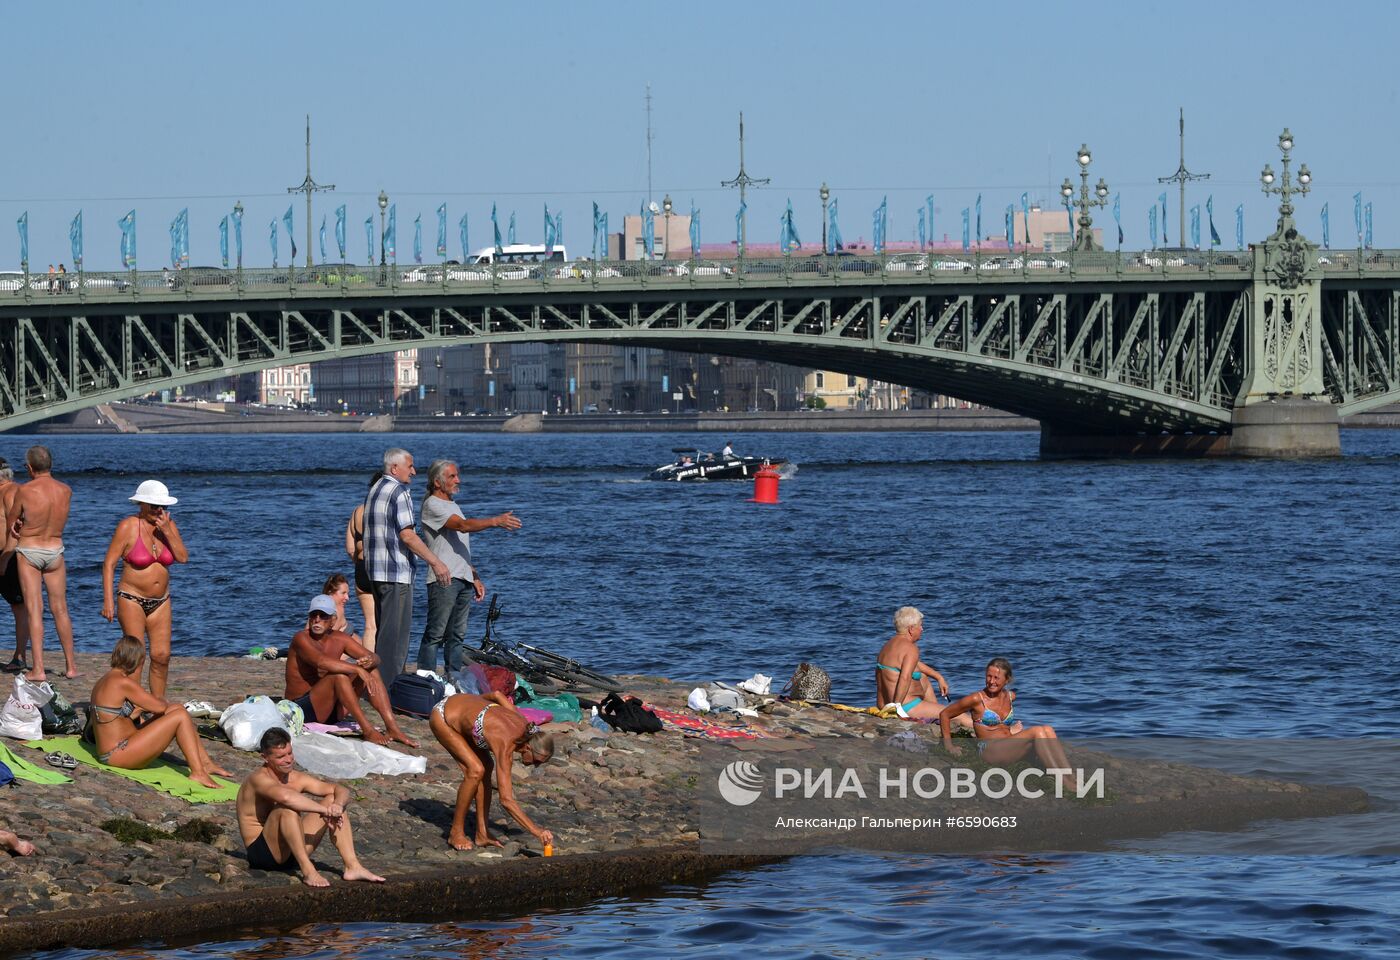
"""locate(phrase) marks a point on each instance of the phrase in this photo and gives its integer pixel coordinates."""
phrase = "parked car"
(199, 277)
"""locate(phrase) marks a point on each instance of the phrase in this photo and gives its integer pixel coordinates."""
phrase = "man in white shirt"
(447, 534)
(728, 450)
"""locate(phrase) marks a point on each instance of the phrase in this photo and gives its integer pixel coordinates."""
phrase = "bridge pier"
(1283, 428)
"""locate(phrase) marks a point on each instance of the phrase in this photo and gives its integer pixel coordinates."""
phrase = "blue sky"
(160, 106)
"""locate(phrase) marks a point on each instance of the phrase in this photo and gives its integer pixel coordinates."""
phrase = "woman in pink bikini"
(148, 543)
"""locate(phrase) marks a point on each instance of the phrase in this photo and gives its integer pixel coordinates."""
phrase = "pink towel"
(535, 715)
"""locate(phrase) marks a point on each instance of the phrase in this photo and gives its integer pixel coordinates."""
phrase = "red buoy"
(765, 485)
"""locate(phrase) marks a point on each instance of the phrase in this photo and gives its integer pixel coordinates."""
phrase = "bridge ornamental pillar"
(1283, 408)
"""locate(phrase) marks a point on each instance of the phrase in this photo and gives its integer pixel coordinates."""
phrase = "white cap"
(153, 492)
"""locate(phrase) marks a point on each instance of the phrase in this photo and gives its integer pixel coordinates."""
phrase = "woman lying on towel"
(1000, 739)
(901, 678)
(119, 696)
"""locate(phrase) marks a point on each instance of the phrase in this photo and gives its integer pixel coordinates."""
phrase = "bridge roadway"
(1097, 343)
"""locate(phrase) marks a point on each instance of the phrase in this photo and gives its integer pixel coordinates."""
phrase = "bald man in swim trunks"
(40, 514)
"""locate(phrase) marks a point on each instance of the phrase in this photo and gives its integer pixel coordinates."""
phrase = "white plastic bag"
(698, 700)
(19, 717)
(246, 722)
(760, 684)
(341, 758)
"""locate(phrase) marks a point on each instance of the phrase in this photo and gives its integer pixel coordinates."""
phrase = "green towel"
(163, 776)
(24, 770)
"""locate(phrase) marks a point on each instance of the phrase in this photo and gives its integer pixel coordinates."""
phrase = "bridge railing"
(846, 267)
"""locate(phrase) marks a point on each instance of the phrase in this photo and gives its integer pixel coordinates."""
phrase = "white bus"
(520, 253)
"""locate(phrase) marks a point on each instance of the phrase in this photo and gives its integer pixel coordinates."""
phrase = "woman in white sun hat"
(148, 543)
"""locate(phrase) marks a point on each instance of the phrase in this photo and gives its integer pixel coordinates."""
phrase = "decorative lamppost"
(826, 198)
(1084, 241)
(383, 206)
(666, 240)
(238, 230)
(1286, 188)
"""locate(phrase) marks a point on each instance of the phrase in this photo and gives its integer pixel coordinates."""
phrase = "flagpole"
(308, 187)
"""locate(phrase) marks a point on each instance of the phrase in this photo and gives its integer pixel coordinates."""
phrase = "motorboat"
(694, 465)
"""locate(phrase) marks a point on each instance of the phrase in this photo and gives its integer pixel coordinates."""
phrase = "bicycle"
(541, 668)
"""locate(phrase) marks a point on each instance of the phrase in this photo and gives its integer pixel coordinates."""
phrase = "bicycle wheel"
(571, 671)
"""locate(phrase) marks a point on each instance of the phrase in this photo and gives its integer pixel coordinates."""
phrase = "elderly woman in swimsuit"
(482, 732)
(148, 543)
(120, 743)
(1000, 738)
(901, 677)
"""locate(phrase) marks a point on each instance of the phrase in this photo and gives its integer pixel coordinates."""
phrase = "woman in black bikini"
(148, 543)
(120, 743)
(355, 549)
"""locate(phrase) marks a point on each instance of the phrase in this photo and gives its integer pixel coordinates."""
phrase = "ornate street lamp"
(1084, 240)
(383, 206)
(1286, 188)
(826, 197)
(666, 240)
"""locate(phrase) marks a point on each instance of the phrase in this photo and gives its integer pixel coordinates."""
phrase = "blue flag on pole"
(694, 231)
(340, 231)
(923, 230)
(1368, 226)
(185, 237)
(1239, 227)
(291, 235)
(391, 235)
(238, 234)
(833, 236)
(595, 231)
(603, 231)
(272, 238)
(1163, 201)
(324, 258)
(790, 240)
(739, 226)
(127, 223)
(442, 231)
(979, 221)
(23, 224)
(175, 241)
(965, 215)
(878, 226)
(369, 236)
(1210, 219)
(510, 231)
(548, 232)
(928, 202)
(223, 241)
(75, 239)
(496, 229)
(418, 239)
(1026, 217)
(1196, 226)
(1152, 225)
(1357, 200)
(1118, 217)
(559, 228)
(648, 231)
(1069, 218)
(1010, 225)
(1326, 232)
(462, 228)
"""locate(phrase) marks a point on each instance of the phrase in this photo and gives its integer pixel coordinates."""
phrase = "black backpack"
(628, 715)
(415, 695)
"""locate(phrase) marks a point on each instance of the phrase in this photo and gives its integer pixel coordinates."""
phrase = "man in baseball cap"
(328, 687)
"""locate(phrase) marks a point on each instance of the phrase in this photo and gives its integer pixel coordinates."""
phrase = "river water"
(1146, 599)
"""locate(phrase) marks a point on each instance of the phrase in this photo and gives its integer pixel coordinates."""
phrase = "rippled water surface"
(1230, 599)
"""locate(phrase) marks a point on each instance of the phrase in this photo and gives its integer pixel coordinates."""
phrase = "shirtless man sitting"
(40, 514)
(327, 686)
(482, 733)
(281, 824)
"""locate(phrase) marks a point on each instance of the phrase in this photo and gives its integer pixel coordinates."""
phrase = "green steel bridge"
(1089, 343)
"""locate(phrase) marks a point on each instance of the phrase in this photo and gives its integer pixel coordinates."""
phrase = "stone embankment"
(623, 809)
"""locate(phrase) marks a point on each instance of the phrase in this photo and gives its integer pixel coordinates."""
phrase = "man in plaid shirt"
(390, 542)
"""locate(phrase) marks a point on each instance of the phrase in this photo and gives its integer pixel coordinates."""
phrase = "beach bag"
(562, 706)
(7, 776)
(20, 717)
(809, 682)
(472, 679)
(501, 680)
(415, 695)
(58, 716)
(245, 723)
(628, 715)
